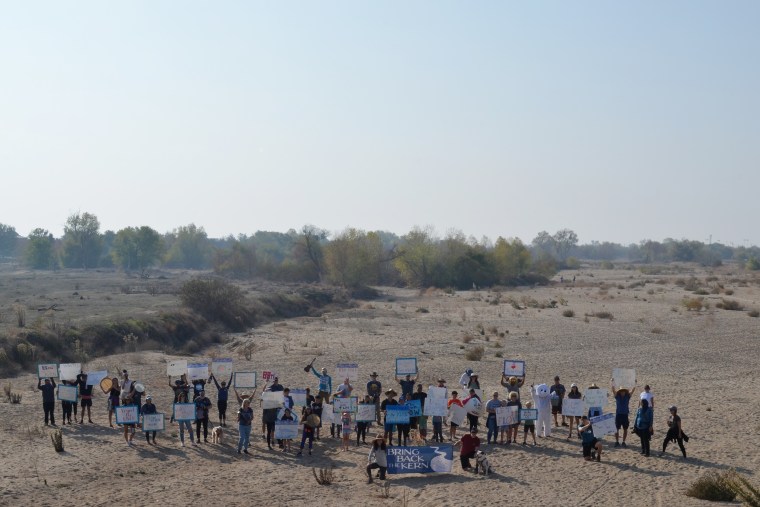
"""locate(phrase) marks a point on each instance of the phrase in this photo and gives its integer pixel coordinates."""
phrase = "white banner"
(514, 368)
(327, 414)
(176, 367)
(456, 414)
(406, 366)
(198, 371)
(286, 430)
(244, 379)
(436, 404)
(474, 406)
(573, 407)
(68, 393)
(347, 370)
(69, 371)
(49, 370)
(299, 397)
(271, 399)
(341, 405)
(153, 422)
(221, 368)
(507, 415)
(624, 378)
(438, 392)
(127, 414)
(365, 412)
(184, 411)
(595, 398)
(603, 425)
(94, 377)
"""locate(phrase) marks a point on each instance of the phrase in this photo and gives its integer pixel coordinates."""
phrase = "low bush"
(713, 487)
(753, 313)
(568, 313)
(695, 304)
(475, 353)
(729, 304)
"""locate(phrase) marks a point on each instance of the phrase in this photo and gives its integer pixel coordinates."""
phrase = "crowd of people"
(310, 414)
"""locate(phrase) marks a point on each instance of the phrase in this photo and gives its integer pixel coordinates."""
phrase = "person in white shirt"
(646, 394)
(464, 380)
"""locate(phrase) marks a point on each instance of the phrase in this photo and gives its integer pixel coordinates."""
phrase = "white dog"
(216, 435)
(481, 462)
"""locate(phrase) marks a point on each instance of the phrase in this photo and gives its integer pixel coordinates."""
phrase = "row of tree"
(352, 257)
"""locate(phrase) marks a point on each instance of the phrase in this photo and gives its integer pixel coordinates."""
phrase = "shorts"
(454, 425)
(530, 429)
(86, 403)
(324, 395)
(557, 409)
(587, 447)
(621, 421)
(388, 427)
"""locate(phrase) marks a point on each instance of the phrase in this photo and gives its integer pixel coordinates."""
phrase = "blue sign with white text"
(420, 460)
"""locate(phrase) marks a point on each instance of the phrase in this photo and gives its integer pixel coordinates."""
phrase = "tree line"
(350, 258)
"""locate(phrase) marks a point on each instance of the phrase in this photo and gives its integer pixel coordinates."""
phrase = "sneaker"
(300, 453)
(245, 451)
(239, 451)
(617, 444)
(182, 444)
(623, 445)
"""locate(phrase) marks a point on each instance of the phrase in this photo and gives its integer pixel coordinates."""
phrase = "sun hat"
(373, 374)
(441, 381)
(391, 392)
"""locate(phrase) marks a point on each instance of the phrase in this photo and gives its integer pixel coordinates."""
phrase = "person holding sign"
(512, 384)
(185, 424)
(113, 399)
(361, 426)
(590, 442)
(245, 421)
(374, 388)
(557, 391)
(48, 399)
(407, 385)
(529, 426)
(149, 408)
(574, 421)
(85, 392)
(473, 417)
(493, 428)
(390, 394)
(202, 406)
(288, 416)
(643, 426)
(453, 426)
(68, 406)
(345, 422)
(622, 410)
(514, 401)
(420, 422)
(222, 395)
(310, 423)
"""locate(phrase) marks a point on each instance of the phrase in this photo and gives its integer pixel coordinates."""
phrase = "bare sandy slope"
(706, 363)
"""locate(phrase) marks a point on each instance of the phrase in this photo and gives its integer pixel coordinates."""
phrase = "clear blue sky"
(619, 120)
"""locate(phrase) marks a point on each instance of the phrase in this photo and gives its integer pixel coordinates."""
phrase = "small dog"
(481, 462)
(216, 435)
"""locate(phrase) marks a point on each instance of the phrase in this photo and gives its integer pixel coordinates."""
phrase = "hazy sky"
(619, 120)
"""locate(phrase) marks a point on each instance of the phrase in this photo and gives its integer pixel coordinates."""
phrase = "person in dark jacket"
(202, 406)
(222, 396)
(149, 408)
(48, 398)
(643, 426)
(68, 406)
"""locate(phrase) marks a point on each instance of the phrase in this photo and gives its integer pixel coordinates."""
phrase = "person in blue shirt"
(591, 445)
(622, 400)
(48, 399)
(222, 397)
(325, 384)
(202, 406)
(493, 428)
(643, 426)
(245, 420)
(407, 385)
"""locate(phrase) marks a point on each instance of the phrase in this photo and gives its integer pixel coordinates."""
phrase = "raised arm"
(212, 377)
(52, 381)
(504, 380)
(229, 382)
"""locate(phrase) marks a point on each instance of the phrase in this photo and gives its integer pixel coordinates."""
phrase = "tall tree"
(417, 257)
(190, 248)
(564, 241)
(511, 260)
(353, 258)
(40, 252)
(310, 245)
(81, 241)
(137, 248)
(8, 239)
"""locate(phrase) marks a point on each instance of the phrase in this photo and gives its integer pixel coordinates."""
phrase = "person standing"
(325, 384)
(647, 394)
(361, 426)
(407, 386)
(147, 409)
(574, 394)
(222, 396)
(374, 388)
(470, 443)
(514, 401)
(464, 379)
(474, 383)
(420, 422)
(643, 425)
(675, 432)
(557, 391)
(67, 406)
(48, 399)
(245, 421)
(113, 399)
(316, 408)
(309, 421)
(185, 425)
(388, 428)
(377, 458)
(512, 384)
(473, 415)
(493, 428)
(622, 410)
(85, 393)
(453, 426)
(345, 423)
(202, 406)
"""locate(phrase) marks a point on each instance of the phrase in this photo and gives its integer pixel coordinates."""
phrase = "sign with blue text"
(341, 405)
(286, 430)
(366, 413)
(184, 411)
(49, 370)
(348, 371)
(415, 408)
(299, 397)
(420, 460)
(406, 366)
(528, 414)
(68, 393)
(603, 425)
(153, 422)
(396, 414)
(127, 414)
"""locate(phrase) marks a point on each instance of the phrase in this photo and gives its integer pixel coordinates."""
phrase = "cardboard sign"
(69, 371)
(197, 371)
(420, 460)
(406, 366)
(622, 377)
(68, 393)
(396, 414)
(94, 377)
(603, 425)
(153, 422)
(299, 397)
(184, 411)
(221, 367)
(341, 405)
(573, 407)
(514, 368)
(436, 407)
(506, 416)
(595, 398)
(528, 414)
(347, 370)
(438, 392)
(415, 408)
(327, 414)
(365, 413)
(456, 414)
(127, 414)
(244, 379)
(176, 367)
(286, 430)
(271, 399)
(48, 370)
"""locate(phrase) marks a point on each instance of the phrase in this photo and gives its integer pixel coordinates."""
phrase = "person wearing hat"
(377, 458)
(557, 391)
(149, 408)
(474, 383)
(622, 411)
(325, 384)
(512, 384)
(390, 396)
(470, 444)
(574, 421)
(374, 389)
(675, 432)
(464, 379)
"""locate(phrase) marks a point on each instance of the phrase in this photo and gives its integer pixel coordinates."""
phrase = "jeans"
(372, 466)
(307, 435)
(493, 430)
(438, 431)
(473, 420)
(185, 425)
(245, 436)
(198, 423)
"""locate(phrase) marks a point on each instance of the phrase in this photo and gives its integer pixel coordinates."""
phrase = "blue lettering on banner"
(420, 460)
(415, 408)
(396, 414)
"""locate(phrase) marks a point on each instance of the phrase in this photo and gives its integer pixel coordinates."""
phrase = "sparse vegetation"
(57, 438)
(568, 313)
(753, 313)
(475, 353)
(324, 477)
(712, 486)
(697, 304)
(729, 304)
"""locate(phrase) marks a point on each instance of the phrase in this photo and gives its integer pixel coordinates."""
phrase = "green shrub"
(218, 301)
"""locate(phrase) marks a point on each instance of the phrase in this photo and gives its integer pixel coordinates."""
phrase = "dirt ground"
(705, 362)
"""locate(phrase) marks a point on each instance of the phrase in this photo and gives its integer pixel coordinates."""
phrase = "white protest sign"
(127, 414)
(184, 411)
(514, 368)
(176, 367)
(69, 371)
(435, 406)
(286, 430)
(341, 405)
(347, 370)
(68, 393)
(327, 414)
(528, 414)
(94, 377)
(49, 370)
(365, 412)
(244, 379)
(197, 371)
(271, 399)
(221, 367)
(456, 414)
(603, 425)
(595, 398)
(406, 366)
(506, 416)
(623, 377)
(473, 406)
(573, 407)
(153, 422)
(299, 397)
(438, 392)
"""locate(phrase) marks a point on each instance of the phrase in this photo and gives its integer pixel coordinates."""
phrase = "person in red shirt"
(470, 444)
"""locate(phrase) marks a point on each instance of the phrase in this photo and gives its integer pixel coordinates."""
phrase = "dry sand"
(704, 362)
